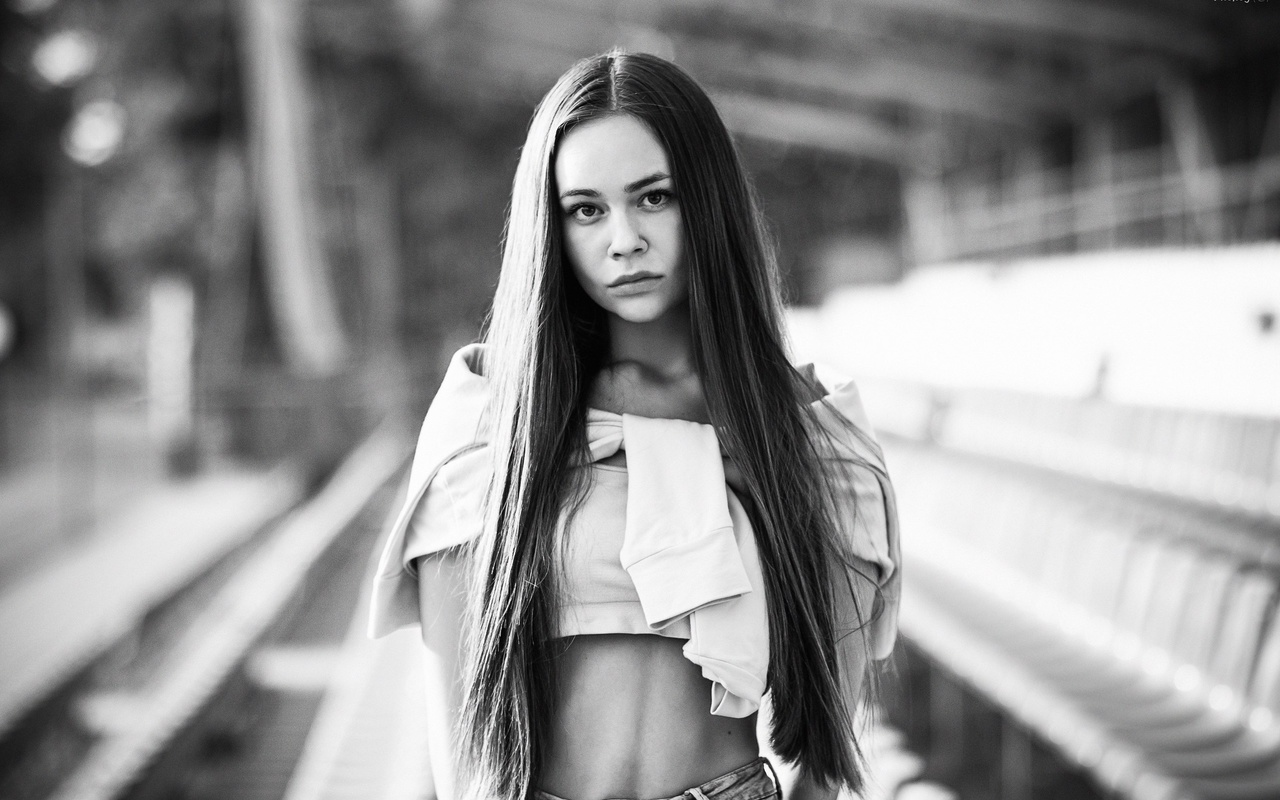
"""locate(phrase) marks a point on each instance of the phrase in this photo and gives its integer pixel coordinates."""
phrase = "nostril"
(626, 240)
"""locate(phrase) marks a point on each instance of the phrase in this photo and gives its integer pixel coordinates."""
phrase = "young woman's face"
(621, 221)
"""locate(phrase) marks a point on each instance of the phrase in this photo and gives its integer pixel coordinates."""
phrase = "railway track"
(256, 681)
(212, 695)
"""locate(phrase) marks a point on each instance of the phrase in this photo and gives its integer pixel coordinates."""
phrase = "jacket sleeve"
(451, 511)
(444, 500)
(866, 507)
(441, 511)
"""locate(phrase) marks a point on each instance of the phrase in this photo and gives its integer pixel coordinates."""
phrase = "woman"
(631, 521)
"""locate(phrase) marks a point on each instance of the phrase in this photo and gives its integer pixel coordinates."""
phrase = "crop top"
(661, 546)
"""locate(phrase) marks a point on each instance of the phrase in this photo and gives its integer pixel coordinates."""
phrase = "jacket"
(687, 546)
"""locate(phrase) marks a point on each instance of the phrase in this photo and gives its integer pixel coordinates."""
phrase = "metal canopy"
(863, 78)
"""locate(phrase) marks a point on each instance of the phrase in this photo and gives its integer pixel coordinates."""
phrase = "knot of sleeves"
(687, 553)
(688, 546)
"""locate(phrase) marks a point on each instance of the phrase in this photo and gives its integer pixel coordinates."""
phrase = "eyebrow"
(629, 188)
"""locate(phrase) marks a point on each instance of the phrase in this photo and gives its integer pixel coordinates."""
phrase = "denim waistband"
(755, 780)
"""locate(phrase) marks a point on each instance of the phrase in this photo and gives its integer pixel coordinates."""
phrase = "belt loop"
(697, 794)
(773, 773)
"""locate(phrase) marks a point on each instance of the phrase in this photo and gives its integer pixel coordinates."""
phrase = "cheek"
(675, 238)
(580, 242)
(577, 254)
(572, 244)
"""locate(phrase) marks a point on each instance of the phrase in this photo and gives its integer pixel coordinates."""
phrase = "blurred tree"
(418, 178)
(32, 115)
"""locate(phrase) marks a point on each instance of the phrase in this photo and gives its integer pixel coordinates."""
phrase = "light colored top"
(662, 546)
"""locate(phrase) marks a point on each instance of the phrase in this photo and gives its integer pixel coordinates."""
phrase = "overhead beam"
(812, 126)
(1031, 62)
(522, 69)
(520, 66)
(958, 92)
(837, 64)
(1054, 28)
(862, 75)
(1108, 23)
(880, 79)
(531, 47)
(1081, 75)
(947, 74)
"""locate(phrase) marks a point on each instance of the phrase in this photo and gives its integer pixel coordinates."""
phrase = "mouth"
(634, 277)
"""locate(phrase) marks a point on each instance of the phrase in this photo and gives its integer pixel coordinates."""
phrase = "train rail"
(256, 680)
(204, 668)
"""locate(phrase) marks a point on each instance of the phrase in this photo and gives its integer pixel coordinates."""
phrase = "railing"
(1155, 207)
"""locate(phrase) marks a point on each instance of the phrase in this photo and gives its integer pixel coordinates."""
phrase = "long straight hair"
(547, 339)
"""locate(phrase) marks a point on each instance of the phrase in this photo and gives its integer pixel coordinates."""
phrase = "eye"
(658, 198)
(582, 212)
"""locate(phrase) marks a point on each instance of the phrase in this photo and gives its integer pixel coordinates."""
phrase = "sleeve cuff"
(680, 579)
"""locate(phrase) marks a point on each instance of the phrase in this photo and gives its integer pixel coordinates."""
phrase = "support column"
(1030, 188)
(1095, 206)
(1188, 133)
(928, 223)
(1256, 223)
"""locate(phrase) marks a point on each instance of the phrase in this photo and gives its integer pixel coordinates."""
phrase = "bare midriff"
(633, 720)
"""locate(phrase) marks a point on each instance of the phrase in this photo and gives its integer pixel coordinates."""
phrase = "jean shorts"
(753, 781)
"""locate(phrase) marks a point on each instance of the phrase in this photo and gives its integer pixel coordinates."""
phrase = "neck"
(664, 345)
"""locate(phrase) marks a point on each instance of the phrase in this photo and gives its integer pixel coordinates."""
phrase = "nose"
(626, 237)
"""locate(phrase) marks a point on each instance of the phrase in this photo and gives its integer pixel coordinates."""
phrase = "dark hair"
(546, 340)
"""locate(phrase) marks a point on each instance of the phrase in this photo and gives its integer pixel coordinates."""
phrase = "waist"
(633, 720)
(754, 780)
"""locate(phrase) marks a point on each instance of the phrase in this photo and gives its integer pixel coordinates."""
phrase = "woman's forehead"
(609, 154)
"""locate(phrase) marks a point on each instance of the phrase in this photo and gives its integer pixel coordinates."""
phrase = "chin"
(642, 312)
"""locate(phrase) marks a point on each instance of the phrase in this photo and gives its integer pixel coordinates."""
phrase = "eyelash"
(665, 197)
(572, 211)
(666, 194)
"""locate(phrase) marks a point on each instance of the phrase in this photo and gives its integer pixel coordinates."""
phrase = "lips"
(632, 278)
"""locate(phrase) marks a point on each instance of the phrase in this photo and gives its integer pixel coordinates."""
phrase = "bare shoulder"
(630, 388)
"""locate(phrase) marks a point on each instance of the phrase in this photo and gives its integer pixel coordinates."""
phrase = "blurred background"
(239, 240)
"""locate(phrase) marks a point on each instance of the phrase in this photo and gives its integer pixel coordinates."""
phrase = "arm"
(447, 516)
(442, 593)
